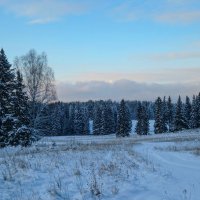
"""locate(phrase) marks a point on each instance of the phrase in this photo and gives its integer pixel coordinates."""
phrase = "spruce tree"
(78, 120)
(108, 119)
(187, 111)
(21, 102)
(97, 121)
(56, 125)
(7, 86)
(164, 115)
(194, 113)
(145, 120)
(179, 120)
(124, 121)
(22, 134)
(198, 110)
(66, 121)
(158, 125)
(142, 126)
(71, 118)
(170, 114)
(86, 121)
(139, 115)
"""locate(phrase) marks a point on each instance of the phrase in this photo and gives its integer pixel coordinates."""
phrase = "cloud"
(165, 11)
(174, 56)
(158, 75)
(43, 11)
(130, 90)
(179, 17)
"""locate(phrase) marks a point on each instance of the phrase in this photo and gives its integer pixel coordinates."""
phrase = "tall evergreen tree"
(179, 120)
(164, 115)
(142, 126)
(71, 119)
(124, 120)
(194, 113)
(198, 110)
(97, 120)
(187, 111)
(139, 115)
(159, 124)
(145, 121)
(66, 121)
(86, 121)
(7, 86)
(78, 120)
(56, 125)
(170, 114)
(21, 102)
(108, 122)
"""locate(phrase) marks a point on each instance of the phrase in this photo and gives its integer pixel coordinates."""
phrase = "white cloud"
(174, 56)
(130, 90)
(165, 11)
(43, 11)
(179, 17)
(158, 75)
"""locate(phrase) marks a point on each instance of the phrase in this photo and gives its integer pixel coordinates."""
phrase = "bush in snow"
(24, 136)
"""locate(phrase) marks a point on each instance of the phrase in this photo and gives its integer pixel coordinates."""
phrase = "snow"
(154, 167)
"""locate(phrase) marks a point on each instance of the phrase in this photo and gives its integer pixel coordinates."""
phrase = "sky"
(109, 49)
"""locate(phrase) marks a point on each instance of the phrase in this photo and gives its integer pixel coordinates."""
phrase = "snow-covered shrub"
(6, 129)
(24, 136)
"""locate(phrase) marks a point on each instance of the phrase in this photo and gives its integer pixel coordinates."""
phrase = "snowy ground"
(155, 167)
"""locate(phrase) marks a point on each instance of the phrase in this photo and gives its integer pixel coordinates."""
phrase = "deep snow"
(135, 168)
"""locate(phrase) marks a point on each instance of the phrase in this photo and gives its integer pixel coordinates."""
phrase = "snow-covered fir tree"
(194, 113)
(78, 120)
(97, 120)
(86, 121)
(170, 114)
(7, 87)
(21, 102)
(14, 118)
(159, 125)
(142, 126)
(81, 120)
(198, 110)
(22, 135)
(139, 115)
(66, 121)
(179, 119)
(145, 121)
(164, 114)
(187, 111)
(56, 122)
(71, 118)
(108, 123)
(124, 120)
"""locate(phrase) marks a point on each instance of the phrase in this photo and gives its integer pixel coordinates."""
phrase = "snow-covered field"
(155, 167)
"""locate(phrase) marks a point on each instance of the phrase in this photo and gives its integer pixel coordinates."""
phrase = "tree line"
(171, 117)
(92, 117)
(103, 117)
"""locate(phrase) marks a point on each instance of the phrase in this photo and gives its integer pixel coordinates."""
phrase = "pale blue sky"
(153, 41)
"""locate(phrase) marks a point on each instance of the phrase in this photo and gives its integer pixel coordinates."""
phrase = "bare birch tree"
(39, 81)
